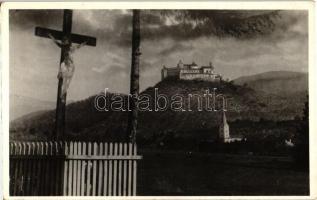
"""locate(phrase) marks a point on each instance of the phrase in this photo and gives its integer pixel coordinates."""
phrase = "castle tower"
(224, 134)
(180, 64)
(194, 65)
(163, 72)
(211, 66)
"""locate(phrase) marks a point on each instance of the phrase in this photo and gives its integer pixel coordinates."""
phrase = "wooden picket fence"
(73, 169)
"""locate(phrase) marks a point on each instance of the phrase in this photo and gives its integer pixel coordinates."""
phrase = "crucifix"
(66, 39)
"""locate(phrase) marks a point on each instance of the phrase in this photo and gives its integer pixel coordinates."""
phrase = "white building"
(191, 72)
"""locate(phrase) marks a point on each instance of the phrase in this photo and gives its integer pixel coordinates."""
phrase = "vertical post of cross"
(61, 99)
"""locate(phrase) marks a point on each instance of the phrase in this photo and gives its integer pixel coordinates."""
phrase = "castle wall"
(194, 71)
(207, 71)
(199, 76)
(170, 72)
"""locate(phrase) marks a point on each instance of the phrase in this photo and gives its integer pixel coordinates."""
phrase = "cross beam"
(63, 35)
(74, 38)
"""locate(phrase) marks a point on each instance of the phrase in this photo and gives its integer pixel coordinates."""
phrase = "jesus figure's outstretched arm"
(55, 41)
(79, 46)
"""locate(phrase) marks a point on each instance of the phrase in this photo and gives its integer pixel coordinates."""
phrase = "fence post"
(94, 171)
(130, 171)
(110, 171)
(100, 177)
(115, 170)
(66, 162)
(120, 171)
(33, 169)
(22, 189)
(79, 166)
(70, 169)
(83, 170)
(88, 170)
(105, 171)
(134, 169)
(125, 163)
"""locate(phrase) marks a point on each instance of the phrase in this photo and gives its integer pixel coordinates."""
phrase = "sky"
(238, 43)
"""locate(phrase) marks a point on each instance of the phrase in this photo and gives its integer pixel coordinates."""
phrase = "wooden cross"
(63, 35)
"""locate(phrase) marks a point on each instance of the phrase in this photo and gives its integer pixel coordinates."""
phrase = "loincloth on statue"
(66, 72)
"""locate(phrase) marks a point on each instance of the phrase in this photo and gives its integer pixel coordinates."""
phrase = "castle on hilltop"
(191, 72)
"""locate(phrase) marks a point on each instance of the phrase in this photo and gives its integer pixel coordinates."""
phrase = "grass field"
(182, 173)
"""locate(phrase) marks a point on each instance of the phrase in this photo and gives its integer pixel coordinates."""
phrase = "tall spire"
(224, 118)
(224, 133)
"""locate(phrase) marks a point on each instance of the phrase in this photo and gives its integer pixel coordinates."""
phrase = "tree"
(134, 78)
(301, 150)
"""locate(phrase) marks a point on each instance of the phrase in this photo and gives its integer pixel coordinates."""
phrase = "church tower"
(180, 64)
(224, 134)
(163, 73)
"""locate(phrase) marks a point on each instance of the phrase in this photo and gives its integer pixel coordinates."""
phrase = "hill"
(282, 83)
(83, 120)
(23, 105)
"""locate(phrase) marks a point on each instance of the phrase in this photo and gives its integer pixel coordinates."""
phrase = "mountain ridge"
(250, 104)
(282, 83)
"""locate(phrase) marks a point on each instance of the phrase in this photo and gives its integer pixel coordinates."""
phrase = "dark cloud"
(177, 47)
(190, 24)
(152, 17)
(114, 26)
(24, 18)
(184, 25)
(180, 25)
(292, 23)
(116, 30)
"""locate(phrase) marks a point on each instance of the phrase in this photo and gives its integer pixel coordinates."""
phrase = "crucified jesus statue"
(67, 67)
